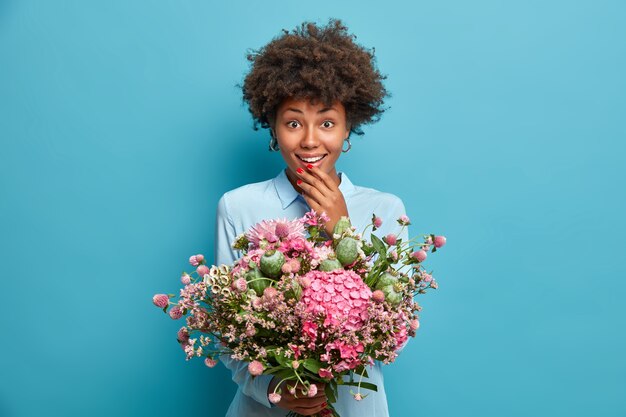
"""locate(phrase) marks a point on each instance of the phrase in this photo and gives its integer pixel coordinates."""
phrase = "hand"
(322, 194)
(303, 404)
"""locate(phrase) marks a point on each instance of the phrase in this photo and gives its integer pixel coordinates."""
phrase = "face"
(310, 133)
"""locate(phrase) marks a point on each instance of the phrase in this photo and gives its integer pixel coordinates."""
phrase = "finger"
(311, 192)
(310, 178)
(326, 179)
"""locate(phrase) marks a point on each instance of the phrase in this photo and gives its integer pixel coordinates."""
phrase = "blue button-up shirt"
(242, 208)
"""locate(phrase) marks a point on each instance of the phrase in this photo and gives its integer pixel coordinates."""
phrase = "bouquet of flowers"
(304, 307)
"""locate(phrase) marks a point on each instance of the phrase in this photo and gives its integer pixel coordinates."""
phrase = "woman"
(311, 88)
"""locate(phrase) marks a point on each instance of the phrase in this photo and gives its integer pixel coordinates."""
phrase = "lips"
(316, 163)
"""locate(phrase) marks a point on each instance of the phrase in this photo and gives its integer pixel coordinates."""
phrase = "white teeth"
(311, 159)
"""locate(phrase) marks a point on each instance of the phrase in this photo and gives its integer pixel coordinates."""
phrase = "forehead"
(309, 105)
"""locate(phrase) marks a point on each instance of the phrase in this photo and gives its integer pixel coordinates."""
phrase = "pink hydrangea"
(340, 296)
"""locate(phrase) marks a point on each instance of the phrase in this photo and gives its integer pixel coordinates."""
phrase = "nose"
(309, 138)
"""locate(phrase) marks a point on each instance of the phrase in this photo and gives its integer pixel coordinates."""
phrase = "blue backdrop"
(121, 126)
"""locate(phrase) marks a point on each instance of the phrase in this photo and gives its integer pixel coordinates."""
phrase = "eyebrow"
(324, 110)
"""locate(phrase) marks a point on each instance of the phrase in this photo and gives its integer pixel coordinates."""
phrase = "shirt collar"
(288, 194)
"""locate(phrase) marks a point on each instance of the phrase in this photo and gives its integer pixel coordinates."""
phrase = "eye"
(325, 124)
(290, 123)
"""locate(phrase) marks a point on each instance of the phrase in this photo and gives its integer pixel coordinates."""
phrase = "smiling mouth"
(311, 160)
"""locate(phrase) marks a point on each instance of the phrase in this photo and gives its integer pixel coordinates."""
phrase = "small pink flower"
(202, 270)
(183, 335)
(434, 284)
(358, 396)
(305, 282)
(390, 239)
(394, 255)
(404, 220)
(378, 296)
(420, 255)
(241, 285)
(176, 312)
(440, 241)
(255, 368)
(286, 268)
(185, 278)
(295, 364)
(377, 222)
(312, 391)
(325, 373)
(270, 292)
(295, 265)
(210, 362)
(426, 277)
(414, 324)
(274, 398)
(291, 389)
(161, 300)
(196, 260)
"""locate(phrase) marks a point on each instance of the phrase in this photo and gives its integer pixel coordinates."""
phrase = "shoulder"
(248, 191)
(377, 197)
(243, 196)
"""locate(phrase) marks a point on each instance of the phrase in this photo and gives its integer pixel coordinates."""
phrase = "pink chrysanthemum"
(275, 230)
(340, 295)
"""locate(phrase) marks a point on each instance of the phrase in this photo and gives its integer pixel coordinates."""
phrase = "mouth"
(315, 161)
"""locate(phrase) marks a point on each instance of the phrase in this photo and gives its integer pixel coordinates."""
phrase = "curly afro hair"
(315, 63)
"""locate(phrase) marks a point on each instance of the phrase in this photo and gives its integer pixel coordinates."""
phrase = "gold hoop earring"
(349, 145)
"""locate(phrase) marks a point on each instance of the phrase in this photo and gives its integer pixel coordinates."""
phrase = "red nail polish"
(299, 182)
(309, 166)
(300, 170)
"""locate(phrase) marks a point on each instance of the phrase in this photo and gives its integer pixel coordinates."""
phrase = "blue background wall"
(121, 126)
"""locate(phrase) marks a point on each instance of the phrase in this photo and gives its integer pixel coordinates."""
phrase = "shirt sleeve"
(254, 387)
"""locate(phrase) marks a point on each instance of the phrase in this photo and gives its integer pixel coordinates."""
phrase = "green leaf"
(330, 394)
(312, 365)
(366, 385)
(379, 246)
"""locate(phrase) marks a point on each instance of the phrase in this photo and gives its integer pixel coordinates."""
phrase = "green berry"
(347, 251)
(328, 265)
(272, 262)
